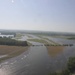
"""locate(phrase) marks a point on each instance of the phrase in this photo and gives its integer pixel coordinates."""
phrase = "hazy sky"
(46, 15)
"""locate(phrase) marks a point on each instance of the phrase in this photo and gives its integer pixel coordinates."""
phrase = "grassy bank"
(29, 44)
(19, 35)
(50, 41)
(11, 51)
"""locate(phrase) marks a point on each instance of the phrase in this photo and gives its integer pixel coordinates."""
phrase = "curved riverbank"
(11, 51)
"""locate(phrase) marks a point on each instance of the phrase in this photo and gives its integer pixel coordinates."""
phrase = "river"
(36, 61)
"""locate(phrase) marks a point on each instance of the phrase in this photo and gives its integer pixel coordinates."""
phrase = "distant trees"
(12, 42)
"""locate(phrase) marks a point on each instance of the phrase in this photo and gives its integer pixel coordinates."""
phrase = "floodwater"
(37, 61)
(61, 41)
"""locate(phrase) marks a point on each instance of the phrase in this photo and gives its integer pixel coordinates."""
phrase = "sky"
(43, 15)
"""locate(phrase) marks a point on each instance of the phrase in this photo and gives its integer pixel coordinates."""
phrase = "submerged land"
(13, 47)
(11, 51)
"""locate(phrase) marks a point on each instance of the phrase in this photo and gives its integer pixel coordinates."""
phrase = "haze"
(45, 15)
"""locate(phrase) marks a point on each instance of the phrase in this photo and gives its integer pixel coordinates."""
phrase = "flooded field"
(40, 60)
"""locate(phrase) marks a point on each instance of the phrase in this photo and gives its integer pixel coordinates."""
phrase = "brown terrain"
(11, 51)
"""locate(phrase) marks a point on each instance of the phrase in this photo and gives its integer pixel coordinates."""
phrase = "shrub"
(71, 64)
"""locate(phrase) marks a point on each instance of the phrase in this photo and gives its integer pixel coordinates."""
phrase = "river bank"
(11, 51)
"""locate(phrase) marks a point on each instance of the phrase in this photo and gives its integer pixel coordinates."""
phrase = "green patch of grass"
(29, 44)
(18, 36)
(52, 42)
(39, 40)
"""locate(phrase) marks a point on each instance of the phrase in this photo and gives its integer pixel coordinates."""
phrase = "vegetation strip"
(12, 42)
(39, 40)
(50, 41)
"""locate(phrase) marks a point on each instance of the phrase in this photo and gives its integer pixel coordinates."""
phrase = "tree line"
(12, 42)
